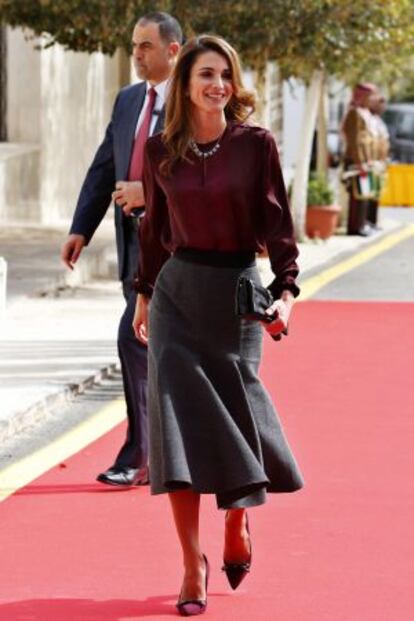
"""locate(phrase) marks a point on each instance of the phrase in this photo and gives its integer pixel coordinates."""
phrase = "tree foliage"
(345, 38)
(95, 25)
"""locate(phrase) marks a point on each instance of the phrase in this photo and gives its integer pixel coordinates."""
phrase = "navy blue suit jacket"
(111, 164)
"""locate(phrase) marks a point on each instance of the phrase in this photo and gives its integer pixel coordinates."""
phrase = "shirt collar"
(160, 89)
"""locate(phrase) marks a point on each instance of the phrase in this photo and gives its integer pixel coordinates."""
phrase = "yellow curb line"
(17, 475)
(313, 284)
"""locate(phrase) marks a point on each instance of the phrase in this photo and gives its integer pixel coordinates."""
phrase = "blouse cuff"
(142, 287)
(276, 288)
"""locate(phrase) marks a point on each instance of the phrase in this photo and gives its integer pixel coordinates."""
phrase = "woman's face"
(210, 87)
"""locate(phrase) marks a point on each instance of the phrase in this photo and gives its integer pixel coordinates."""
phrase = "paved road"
(32, 255)
(388, 277)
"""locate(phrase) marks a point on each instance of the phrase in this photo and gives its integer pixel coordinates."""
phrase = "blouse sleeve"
(278, 225)
(152, 230)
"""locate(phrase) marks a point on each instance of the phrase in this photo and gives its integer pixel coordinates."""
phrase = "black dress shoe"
(124, 476)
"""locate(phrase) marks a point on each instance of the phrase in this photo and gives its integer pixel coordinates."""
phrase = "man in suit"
(116, 173)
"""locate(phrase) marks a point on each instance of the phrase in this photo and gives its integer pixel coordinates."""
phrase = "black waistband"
(216, 258)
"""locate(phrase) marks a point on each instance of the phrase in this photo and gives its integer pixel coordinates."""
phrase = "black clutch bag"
(252, 301)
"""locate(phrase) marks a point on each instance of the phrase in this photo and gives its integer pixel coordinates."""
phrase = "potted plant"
(321, 214)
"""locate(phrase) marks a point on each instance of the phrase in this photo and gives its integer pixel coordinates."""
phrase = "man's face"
(367, 99)
(378, 105)
(152, 57)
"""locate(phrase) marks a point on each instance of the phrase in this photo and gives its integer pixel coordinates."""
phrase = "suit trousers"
(133, 357)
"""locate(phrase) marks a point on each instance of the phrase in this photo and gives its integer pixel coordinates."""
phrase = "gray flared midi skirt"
(213, 427)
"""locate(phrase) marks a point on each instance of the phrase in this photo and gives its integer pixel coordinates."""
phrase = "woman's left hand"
(282, 308)
(140, 321)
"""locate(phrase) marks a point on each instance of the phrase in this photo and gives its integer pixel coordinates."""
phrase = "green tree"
(95, 25)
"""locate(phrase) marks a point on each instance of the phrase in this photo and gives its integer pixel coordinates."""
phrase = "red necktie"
(137, 160)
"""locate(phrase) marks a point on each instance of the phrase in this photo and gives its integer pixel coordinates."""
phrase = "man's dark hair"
(170, 29)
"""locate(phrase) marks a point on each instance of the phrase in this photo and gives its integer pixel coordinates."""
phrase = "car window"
(405, 129)
(391, 117)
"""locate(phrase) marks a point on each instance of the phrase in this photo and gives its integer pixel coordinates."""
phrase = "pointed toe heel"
(193, 607)
(236, 572)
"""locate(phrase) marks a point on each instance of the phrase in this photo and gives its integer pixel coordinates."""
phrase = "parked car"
(399, 118)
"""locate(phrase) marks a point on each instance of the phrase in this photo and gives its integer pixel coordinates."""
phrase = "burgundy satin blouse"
(233, 201)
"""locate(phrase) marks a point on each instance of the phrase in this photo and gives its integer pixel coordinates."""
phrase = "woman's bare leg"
(186, 509)
(236, 538)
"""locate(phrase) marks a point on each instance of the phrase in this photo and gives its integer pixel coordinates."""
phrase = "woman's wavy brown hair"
(177, 133)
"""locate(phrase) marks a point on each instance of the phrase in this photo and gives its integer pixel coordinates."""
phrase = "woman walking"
(214, 196)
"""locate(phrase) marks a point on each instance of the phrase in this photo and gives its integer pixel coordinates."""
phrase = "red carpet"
(340, 550)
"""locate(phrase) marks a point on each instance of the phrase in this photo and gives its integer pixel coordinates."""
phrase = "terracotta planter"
(322, 220)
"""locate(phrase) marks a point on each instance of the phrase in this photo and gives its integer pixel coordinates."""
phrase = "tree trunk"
(273, 116)
(124, 68)
(259, 78)
(300, 180)
(3, 83)
(260, 85)
(322, 144)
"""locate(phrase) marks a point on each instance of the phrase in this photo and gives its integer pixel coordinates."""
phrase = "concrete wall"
(23, 89)
(60, 102)
(78, 91)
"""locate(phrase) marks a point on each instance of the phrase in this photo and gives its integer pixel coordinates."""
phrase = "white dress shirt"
(161, 90)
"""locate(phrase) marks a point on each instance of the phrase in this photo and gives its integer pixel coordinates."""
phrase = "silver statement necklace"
(203, 155)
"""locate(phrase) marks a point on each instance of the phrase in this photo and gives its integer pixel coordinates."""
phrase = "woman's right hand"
(140, 321)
